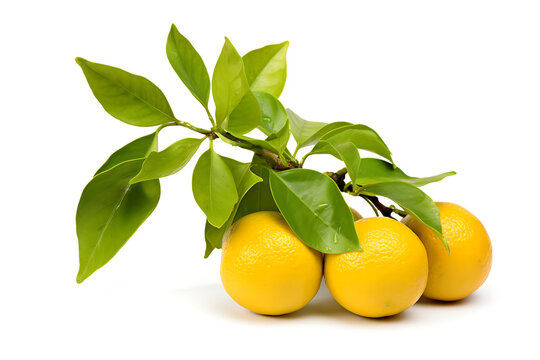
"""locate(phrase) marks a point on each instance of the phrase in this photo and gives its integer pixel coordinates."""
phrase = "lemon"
(387, 277)
(455, 275)
(266, 268)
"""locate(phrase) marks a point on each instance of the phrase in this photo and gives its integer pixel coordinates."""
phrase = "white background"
(449, 85)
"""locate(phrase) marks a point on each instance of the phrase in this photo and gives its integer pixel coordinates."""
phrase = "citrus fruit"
(457, 274)
(266, 268)
(387, 277)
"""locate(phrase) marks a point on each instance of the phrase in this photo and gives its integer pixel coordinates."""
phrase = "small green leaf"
(245, 179)
(362, 136)
(266, 68)
(346, 152)
(137, 149)
(214, 188)
(189, 65)
(276, 143)
(245, 117)
(308, 132)
(231, 93)
(372, 171)
(169, 161)
(110, 211)
(274, 115)
(315, 210)
(259, 197)
(413, 200)
(209, 248)
(130, 98)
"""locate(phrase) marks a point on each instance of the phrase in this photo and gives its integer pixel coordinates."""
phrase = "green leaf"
(231, 93)
(110, 211)
(209, 248)
(346, 152)
(274, 115)
(169, 161)
(362, 136)
(137, 149)
(315, 210)
(245, 179)
(189, 65)
(276, 143)
(246, 116)
(372, 171)
(259, 197)
(214, 188)
(130, 98)
(266, 68)
(308, 132)
(413, 200)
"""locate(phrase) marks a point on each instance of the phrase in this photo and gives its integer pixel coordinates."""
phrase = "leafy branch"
(245, 90)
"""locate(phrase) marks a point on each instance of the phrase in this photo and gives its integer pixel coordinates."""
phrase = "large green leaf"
(110, 211)
(266, 68)
(348, 153)
(169, 161)
(137, 149)
(372, 171)
(189, 65)
(246, 116)
(413, 200)
(315, 210)
(214, 188)
(274, 115)
(245, 179)
(362, 136)
(231, 92)
(130, 98)
(308, 132)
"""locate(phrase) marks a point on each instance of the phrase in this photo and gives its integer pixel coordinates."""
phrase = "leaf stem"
(210, 117)
(304, 159)
(349, 188)
(398, 211)
(205, 132)
(371, 205)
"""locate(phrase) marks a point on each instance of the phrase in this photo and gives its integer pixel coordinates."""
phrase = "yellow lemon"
(455, 275)
(387, 277)
(266, 268)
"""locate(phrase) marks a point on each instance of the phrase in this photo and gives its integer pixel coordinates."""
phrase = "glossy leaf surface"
(214, 188)
(189, 65)
(231, 92)
(246, 116)
(266, 68)
(245, 179)
(308, 132)
(274, 115)
(413, 200)
(110, 211)
(362, 136)
(315, 210)
(137, 149)
(130, 98)
(346, 152)
(372, 171)
(169, 161)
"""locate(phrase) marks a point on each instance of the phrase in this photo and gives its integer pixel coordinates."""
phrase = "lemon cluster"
(267, 269)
